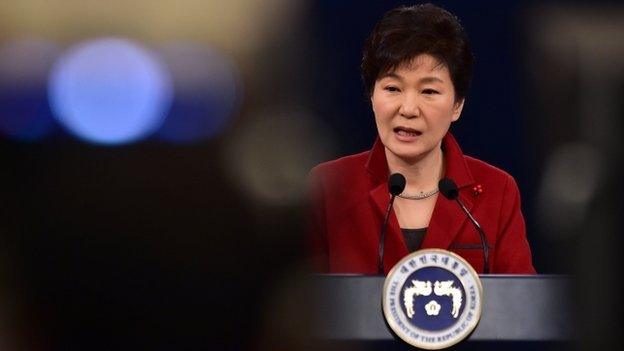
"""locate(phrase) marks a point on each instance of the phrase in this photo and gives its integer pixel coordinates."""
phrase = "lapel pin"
(477, 190)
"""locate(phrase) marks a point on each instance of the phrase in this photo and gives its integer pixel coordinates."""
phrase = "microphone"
(396, 184)
(449, 190)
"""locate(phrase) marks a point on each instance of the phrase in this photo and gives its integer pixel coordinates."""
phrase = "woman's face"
(414, 106)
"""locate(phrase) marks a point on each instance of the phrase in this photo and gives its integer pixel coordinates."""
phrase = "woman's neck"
(422, 174)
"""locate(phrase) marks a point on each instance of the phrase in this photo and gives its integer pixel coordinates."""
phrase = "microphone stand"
(486, 249)
(382, 237)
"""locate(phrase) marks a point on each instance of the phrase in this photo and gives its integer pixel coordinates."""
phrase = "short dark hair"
(406, 32)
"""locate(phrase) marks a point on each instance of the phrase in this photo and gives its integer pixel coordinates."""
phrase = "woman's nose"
(409, 107)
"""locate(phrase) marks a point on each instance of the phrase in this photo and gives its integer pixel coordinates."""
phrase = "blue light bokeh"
(110, 91)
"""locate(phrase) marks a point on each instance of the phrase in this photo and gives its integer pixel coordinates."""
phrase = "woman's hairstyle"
(406, 32)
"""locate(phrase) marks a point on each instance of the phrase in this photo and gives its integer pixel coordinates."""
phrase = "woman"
(417, 66)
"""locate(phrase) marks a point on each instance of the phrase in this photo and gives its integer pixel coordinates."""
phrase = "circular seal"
(432, 299)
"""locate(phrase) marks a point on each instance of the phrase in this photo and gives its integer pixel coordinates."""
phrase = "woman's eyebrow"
(390, 75)
(430, 79)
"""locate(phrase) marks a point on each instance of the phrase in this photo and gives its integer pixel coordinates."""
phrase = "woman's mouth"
(406, 134)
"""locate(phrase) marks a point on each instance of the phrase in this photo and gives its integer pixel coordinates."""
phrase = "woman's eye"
(430, 91)
(392, 89)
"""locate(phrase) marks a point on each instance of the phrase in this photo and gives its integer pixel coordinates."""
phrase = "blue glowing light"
(207, 92)
(110, 91)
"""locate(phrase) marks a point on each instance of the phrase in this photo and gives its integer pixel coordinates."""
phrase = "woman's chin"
(410, 155)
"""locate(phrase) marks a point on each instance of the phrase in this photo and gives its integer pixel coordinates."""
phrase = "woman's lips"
(406, 134)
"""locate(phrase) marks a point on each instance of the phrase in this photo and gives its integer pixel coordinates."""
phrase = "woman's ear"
(372, 102)
(457, 109)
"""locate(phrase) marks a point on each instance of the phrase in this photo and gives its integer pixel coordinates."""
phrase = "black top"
(413, 238)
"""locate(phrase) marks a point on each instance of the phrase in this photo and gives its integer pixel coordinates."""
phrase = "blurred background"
(154, 156)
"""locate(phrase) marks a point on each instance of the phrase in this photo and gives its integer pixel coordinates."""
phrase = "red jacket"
(350, 196)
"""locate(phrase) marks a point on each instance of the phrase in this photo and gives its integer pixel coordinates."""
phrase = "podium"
(517, 309)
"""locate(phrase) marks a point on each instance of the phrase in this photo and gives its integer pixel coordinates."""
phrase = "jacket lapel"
(446, 222)
(379, 195)
(395, 248)
(448, 218)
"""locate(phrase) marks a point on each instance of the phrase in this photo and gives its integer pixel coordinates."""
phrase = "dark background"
(158, 246)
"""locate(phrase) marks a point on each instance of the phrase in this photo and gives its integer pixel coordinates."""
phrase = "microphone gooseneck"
(448, 188)
(396, 185)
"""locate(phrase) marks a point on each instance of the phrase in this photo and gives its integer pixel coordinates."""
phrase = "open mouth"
(407, 132)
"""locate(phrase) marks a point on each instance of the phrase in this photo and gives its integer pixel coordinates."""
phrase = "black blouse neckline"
(413, 238)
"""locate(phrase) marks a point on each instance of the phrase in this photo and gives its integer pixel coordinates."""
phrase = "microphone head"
(448, 188)
(396, 183)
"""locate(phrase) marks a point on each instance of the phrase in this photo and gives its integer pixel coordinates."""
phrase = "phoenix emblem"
(425, 288)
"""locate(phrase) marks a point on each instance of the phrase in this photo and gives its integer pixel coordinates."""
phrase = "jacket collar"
(447, 217)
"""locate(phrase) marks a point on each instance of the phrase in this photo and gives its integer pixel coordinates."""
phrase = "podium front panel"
(516, 308)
